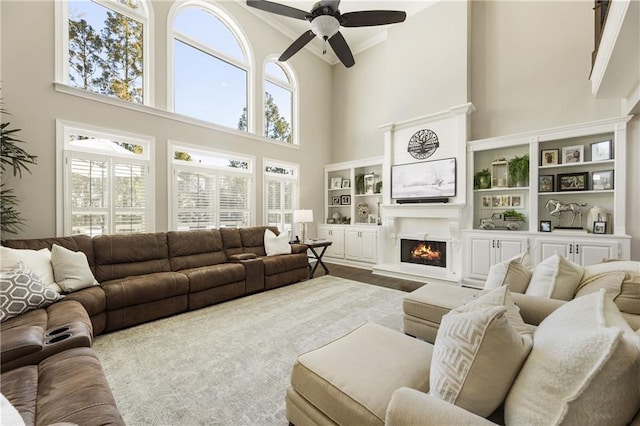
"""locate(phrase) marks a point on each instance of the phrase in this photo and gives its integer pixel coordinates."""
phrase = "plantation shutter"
(195, 199)
(274, 202)
(130, 198)
(88, 196)
(235, 201)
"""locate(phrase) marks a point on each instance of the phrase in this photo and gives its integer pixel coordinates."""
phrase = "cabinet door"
(336, 236)
(507, 247)
(352, 244)
(481, 255)
(547, 248)
(368, 241)
(589, 252)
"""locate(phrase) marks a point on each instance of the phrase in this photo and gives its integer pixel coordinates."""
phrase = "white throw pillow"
(22, 291)
(622, 287)
(39, 261)
(8, 413)
(556, 277)
(478, 352)
(71, 269)
(276, 244)
(583, 368)
(515, 273)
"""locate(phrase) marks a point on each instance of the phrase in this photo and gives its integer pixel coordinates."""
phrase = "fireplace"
(424, 252)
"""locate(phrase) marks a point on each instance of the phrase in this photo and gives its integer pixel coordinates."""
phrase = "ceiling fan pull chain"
(324, 46)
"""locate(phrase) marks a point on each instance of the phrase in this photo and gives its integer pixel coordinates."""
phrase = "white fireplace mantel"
(425, 211)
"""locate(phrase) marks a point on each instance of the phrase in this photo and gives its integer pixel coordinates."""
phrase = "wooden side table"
(313, 245)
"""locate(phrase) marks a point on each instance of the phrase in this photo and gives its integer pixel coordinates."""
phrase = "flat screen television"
(425, 181)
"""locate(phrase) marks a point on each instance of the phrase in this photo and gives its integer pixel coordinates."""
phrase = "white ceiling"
(358, 39)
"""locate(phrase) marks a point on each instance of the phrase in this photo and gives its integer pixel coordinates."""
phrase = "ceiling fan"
(326, 19)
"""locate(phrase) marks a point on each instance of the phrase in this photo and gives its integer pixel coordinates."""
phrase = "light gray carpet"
(230, 364)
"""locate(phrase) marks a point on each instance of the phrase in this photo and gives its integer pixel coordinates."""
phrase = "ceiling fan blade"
(333, 4)
(297, 45)
(369, 18)
(340, 46)
(278, 9)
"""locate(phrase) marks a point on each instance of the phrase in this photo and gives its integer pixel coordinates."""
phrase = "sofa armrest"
(242, 256)
(412, 407)
(20, 341)
(298, 248)
(534, 309)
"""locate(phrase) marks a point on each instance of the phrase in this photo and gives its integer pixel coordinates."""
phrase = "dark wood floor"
(366, 276)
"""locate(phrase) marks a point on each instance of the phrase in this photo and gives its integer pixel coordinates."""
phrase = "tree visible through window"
(278, 103)
(106, 49)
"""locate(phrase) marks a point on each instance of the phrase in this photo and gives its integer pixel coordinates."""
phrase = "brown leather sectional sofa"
(143, 277)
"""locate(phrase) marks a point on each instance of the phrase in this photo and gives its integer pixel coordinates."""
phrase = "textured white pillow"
(583, 368)
(276, 244)
(515, 273)
(38, 261)
(478, 352)
(556, 277)
(71, 269)
(8, 413)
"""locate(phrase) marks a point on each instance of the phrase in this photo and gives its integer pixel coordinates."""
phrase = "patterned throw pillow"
(478, 352)
(22, 291)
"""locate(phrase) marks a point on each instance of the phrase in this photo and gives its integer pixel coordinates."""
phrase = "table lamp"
(303, 217)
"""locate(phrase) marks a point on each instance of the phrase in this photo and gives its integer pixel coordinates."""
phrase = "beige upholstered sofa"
(570, 362)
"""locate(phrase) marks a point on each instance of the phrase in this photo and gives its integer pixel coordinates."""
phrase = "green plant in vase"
(519, 171)
(360, 183)
(482, 179)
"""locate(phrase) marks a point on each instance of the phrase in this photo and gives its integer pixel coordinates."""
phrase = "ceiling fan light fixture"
(325, 26)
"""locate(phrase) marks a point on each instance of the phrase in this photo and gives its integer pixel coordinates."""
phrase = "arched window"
(210, 67)
(106, 48)
(279, 102)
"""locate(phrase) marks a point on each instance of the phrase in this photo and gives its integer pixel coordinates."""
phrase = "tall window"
(106, 47)
(107, 184)
(210, 69)
(279, 92)
(281, 192)
(210, 189)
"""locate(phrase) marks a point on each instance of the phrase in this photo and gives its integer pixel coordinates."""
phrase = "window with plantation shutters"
(281, 192)
(210, 189)
(107, 184)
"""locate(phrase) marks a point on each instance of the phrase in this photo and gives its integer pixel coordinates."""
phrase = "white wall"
(529, 69)
(27, 34)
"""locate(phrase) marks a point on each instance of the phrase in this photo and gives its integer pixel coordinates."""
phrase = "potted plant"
(18, 160)
(519, 171)
(482, 179)
(513, 215)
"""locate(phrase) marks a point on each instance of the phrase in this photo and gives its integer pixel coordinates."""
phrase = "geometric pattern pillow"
(583, 368)
(556, 277)
(71, 269)
(478, 352)
(515, 272)
(22, 291)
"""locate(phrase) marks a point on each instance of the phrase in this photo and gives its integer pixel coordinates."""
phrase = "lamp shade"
(303, 216)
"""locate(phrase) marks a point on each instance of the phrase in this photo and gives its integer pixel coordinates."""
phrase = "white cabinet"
(335, 234)
(485, 249)
(361, 244)
(581, 251)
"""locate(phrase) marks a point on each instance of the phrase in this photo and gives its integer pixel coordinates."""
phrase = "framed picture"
(486, 201)
(545, 226)
(573, 181)
(346, 183)
(546, 183)
(602, 180)
(373, 219)
(516, 202)
(335, 201)
(496, 201)
(549, 157)
(599, 227)
(573, 154)
(345, 200)
(601, 151)
(336, 183)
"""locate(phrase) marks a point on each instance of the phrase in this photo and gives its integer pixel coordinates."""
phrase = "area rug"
(230, 364)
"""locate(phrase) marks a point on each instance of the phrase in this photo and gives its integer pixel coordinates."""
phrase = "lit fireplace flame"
(424, 251)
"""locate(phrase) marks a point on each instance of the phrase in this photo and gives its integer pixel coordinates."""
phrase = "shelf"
(578, 165)
(598, 191)
(369, 195)
(506, 188)
(338, 189)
